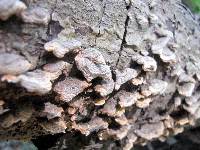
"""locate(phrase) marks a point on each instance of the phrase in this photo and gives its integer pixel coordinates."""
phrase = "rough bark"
(117, 70)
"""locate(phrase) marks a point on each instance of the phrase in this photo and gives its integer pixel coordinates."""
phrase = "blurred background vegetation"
(194, 5)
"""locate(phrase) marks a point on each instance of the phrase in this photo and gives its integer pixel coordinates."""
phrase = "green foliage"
(194, 5)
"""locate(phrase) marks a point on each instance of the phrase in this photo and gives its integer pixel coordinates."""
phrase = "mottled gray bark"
(125, 70)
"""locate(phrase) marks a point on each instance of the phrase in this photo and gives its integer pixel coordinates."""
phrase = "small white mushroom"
(124, 76)
(13, 64)
(60, 47)
(37, 15)
(10, 7)
(148, 63)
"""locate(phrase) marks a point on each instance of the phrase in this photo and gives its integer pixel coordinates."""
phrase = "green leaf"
(194, 5)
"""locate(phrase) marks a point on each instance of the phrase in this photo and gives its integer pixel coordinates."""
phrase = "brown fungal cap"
(13, 64)
(69, 88)
(54, 126)
(36, 15)
(95, 124)
(124, 76)
(10, 7)
(51, 111)
(60, 47)
(92, 64)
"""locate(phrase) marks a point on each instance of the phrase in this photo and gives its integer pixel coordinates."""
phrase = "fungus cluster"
(133, 98)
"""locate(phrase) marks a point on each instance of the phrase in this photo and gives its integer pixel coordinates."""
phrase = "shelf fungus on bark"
(168, 56)
(37, 81)
(124, 76)
(69, 88)
(10, 7)
(58, 68)
(51, 111)
(148, 63)
(95, 124)
(22, 114)
(2, 109)
(143, 103)
(154, 87)
(92, 64)
(54, 126)
(186, 85)
(151, 131)
(106, 87)
(13, 64)
(110, 107)
(36, 15)
(130, 140)
(60, 47)
(127, 99)
(114, 134)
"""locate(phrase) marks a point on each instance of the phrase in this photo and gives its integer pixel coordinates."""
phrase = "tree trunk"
(124, 70)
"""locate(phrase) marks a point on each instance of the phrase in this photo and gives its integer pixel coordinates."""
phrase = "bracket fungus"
(69, 88)
(51, 111)
(36, 15)
(13, 64)
(151, 131)
(10, 7)
(92, 64)
(124, 76)
(60, 47)
(148, 63)
(95, 124)
(155, 87)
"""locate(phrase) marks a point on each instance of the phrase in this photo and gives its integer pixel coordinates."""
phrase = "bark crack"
(125, 33)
